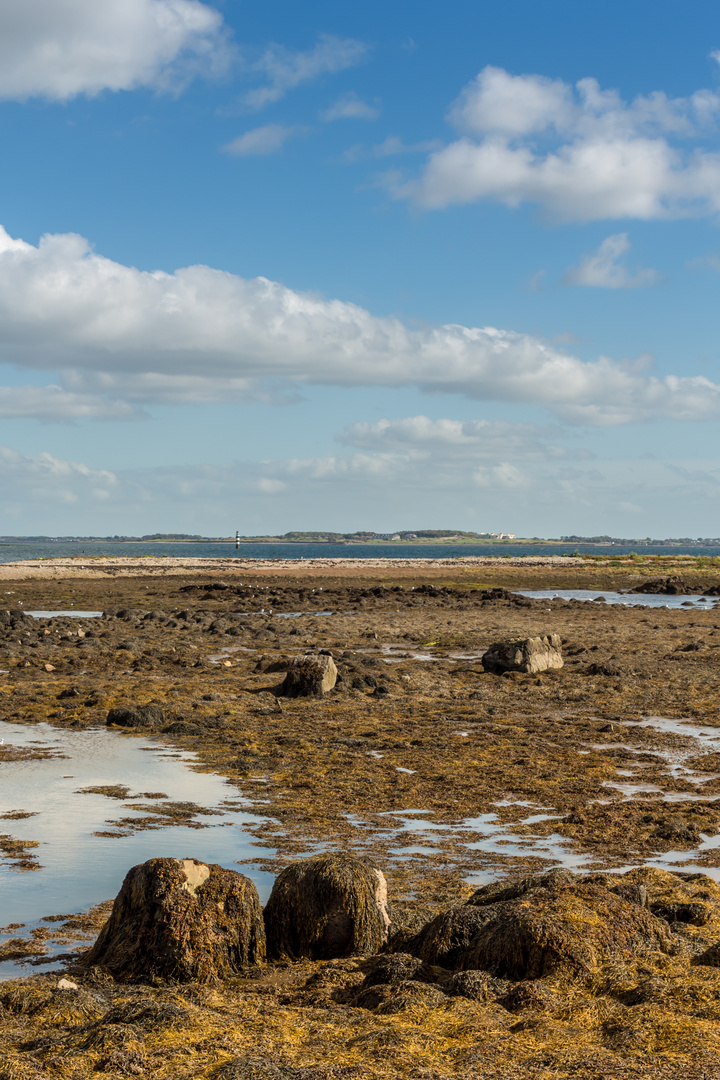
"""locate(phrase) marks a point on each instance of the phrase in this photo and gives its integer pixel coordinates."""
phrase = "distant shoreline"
(419, 542)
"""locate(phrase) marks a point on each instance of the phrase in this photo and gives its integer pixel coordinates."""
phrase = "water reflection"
(628, 599)
(80, 869)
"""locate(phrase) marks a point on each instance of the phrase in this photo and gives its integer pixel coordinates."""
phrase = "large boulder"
(181, 920)
(309, 676)
(531, 655)
(558, 922)
(326, 907)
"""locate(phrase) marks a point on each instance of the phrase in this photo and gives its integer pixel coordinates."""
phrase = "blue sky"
(403, 265)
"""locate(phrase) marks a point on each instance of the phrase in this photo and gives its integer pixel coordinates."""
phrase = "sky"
(386, 266)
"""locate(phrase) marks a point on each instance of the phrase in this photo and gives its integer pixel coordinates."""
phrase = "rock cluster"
(182, 920)
(674, 585)
(540, 925)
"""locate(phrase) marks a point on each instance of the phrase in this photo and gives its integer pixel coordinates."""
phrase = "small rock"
(182, 727)
(48, 667)
(140, 716)
(311, 675)
(530, 655)
(67, 984)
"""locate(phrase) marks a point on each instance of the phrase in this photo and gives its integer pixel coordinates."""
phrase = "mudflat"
(447, 776)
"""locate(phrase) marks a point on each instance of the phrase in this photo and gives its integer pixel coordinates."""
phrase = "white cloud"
(58, 49)
(537, 281)
(392, 146)
(500, 476)
(581, 153)
(201, 334)
(350, 107)
(286, 69)
(42, 477)
(421, 438)
(496, 102)
(704, 262)
(603, 268)
(268, 139)
(54, 404)
(270, 486)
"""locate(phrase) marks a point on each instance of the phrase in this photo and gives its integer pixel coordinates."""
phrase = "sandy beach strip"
(162, 566)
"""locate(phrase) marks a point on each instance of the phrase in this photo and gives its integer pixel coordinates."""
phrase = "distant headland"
(414, 537)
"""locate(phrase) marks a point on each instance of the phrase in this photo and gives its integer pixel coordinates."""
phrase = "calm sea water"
(12, 552)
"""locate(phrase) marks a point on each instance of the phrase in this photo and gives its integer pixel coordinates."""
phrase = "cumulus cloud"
(581, 153)
(285, 69)
(204, 334)
(59, 49)
(603, 269)
(350, 107)
(420, 437)
(268, 139)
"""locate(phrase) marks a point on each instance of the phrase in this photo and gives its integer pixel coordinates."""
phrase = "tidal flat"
(448, 777)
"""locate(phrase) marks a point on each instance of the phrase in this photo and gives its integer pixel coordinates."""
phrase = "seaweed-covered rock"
(309, 676)
(392, 976)
(182, 727)
(445, 940)
(327, 907)
(710, 957)
(411, 995)
(556, 922)
(666, 586)
(182, 920)
(476, 985)
(132, 716)
(693, 914)
(531, 655)
(252, 1068)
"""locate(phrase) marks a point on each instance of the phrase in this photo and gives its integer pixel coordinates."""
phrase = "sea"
(14, 551)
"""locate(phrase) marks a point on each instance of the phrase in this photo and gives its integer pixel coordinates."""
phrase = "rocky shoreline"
(442, 772)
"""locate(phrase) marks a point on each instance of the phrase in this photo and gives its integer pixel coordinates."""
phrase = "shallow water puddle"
(629, 599)
(699, 740)
(396, 653)
(494, 837)
(72, 614)
(80, 869)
